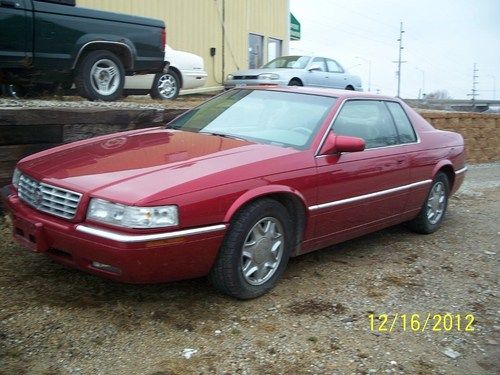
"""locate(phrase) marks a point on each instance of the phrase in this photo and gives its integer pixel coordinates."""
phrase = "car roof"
(341, 94)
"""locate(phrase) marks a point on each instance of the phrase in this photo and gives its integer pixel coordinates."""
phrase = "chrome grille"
(47, 198)
(245, 77)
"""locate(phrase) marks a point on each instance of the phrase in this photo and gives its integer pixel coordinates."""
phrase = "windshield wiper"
(223, 135)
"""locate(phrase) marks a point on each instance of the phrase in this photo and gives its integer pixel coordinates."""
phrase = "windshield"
(289, 62)
(273, 117)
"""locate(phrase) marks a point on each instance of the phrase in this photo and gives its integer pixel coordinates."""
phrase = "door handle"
(9, 3)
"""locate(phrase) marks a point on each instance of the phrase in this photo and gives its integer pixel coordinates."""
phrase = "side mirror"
(315, 67)
(336, 144)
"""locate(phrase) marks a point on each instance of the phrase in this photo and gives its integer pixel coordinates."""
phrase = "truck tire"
(100, 76)
(166, 86)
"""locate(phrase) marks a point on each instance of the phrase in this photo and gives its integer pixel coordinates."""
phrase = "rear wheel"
(433, 211)
(350, 88)
(100, 76)
(166, 86)
(255, 251)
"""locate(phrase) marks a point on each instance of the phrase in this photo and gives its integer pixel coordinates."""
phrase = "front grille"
(245, 77)
(48, 198)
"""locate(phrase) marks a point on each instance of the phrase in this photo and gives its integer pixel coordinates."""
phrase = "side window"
(321, 62)
(405, 129)
(333, 67)
(367, 119)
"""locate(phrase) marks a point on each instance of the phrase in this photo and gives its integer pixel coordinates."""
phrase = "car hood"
(139, 167)
(253, 72)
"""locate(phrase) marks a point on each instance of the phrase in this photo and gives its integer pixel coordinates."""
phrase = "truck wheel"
(166, 86)
(100, 76)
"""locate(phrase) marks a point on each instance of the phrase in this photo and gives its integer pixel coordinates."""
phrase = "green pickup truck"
(47, 43)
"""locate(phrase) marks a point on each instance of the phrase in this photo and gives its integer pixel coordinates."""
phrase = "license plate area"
(29, 234)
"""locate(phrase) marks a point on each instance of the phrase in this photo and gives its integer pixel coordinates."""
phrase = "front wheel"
(433, 210)
(100, 76)
(255, 251)
(295, 82)
(166, 86)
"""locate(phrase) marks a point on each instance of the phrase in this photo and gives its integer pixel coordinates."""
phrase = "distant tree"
(438, 94)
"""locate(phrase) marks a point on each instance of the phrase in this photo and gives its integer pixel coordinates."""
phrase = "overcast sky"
(444, 38)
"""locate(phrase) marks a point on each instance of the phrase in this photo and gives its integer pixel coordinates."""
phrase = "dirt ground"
(55, 320)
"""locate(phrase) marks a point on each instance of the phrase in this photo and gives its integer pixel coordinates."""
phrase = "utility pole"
(399, 62)
(473, 92)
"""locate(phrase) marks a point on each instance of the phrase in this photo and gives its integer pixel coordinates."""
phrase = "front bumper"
(149, 258)
(229, 84)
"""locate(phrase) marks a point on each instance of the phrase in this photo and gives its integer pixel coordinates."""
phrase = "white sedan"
(186, 72)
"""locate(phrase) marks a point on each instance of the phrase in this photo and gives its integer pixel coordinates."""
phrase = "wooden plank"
(30, 134)
(17, 152)
(6, 169)
(62, 116)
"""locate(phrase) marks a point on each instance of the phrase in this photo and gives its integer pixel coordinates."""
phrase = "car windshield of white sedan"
(273, 117)
(288, 62)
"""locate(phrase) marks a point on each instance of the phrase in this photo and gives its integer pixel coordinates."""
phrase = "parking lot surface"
(55, 320)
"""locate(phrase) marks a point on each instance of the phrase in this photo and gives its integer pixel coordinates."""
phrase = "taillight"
(163, 39)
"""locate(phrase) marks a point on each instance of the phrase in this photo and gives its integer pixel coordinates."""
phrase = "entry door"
(363, 189)
(14, 32)
(318, 78)
(255, 51)
(336, 76)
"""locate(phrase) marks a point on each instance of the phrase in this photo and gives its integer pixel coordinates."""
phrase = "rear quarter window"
(403, 124)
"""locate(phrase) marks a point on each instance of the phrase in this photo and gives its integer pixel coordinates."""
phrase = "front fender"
(259, 192)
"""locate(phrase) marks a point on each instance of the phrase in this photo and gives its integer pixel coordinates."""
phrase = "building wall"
(196, 26)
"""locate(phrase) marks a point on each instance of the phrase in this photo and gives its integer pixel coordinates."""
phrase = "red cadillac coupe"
(233, 188)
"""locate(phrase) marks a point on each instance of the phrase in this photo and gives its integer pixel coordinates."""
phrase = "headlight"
(132, 216)
(15, 177)
(269, 76)
(229, 76)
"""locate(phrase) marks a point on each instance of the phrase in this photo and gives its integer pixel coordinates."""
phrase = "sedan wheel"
(432, 213)
(262, 251)
(436, 203)
(166, 86)
(255, 250)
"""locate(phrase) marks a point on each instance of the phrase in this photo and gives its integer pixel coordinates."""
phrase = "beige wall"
(195, 26)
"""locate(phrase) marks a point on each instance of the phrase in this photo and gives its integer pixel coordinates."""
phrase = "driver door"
(360, 191)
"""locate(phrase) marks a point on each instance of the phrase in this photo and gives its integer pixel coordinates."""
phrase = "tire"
(255, 229)
(100, 76)
(166, 86)
(295, 82)
(350, 88)
(433, 210)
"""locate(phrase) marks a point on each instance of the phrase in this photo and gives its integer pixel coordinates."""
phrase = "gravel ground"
(131, 102)
(55, 320)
